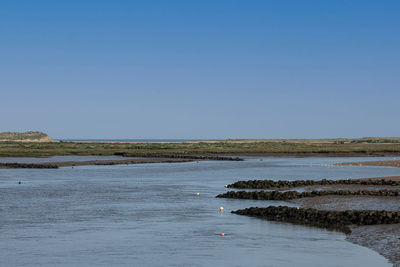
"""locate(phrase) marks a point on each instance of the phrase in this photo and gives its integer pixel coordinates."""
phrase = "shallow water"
(148, 215)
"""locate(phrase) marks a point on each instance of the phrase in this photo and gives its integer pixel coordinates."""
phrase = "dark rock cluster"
(179, 156)
(27, 166)
(270, 184)
(328, 219)
(288, 195)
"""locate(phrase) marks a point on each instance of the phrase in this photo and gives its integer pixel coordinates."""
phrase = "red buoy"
(222, 234)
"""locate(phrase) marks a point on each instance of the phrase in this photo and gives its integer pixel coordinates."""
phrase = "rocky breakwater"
(54, 165)
(270, 184)
(377, 228)
(178, 156)
(340, 220)
(28, 166)
(289, 195)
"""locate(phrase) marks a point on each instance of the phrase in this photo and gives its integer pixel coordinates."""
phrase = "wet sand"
(382, 238)
(386, 163)
(342, 203)
(354, 187)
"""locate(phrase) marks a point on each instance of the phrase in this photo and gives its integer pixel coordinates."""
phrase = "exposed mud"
(365, 209)
(384, 239)
(54, 165)
(387, 163)
(139, 160)
(180, 156)
(342, 203)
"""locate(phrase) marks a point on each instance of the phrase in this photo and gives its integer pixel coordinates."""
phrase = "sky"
(200, 69)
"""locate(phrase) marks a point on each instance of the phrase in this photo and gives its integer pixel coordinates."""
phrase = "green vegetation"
(324, 147)
(327, 140)
(380, 140)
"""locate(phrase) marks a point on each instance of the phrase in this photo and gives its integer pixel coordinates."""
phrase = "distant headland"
(30, 136)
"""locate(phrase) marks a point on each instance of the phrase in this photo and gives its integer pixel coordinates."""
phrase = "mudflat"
(372, 202)
(382, 238)
(386, 163)
(54, 165)
(138, 160)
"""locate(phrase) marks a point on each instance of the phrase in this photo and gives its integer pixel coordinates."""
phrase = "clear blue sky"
(200, 69)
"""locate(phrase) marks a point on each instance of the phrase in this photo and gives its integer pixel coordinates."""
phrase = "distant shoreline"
(243, 147)
(127, 140)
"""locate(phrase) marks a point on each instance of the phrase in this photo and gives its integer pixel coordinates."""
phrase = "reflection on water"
(148, 215)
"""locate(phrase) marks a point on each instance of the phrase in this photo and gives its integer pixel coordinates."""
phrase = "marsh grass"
(245, 147)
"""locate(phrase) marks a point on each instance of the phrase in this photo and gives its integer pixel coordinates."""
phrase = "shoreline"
(277, 148)
(139, 160)
(55, 165)
(249, 154)
(381, 238)
(168, 158)
(383, 163)
(375, 231)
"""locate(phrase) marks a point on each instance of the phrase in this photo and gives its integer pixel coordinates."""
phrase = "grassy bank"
(323, 147)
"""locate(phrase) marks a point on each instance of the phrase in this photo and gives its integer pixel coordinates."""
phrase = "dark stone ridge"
(178, 156)
(277, 195)
(53, 165)
(270, 184)
(27, 166)
(339, 220)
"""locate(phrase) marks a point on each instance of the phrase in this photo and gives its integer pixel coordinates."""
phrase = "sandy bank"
(384, 238)
(386, 163)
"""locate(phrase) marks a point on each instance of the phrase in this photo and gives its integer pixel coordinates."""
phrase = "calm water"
(148, 215)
